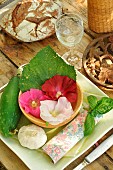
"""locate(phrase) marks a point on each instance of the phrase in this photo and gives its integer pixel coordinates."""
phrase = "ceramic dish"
(35, 158)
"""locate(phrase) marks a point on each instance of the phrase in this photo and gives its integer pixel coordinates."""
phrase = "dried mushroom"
(98, 60)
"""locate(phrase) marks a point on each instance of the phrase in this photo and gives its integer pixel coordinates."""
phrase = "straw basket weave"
(100, 15)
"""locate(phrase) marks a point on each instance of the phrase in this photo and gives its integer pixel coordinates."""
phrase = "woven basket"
(100, 15)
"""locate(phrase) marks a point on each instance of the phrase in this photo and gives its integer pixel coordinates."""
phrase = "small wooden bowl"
(76, 106)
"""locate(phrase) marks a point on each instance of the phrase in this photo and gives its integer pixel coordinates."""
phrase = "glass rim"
(64, 14)
(71, 13)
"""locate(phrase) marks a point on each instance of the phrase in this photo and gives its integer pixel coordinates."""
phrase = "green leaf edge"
(56, 66)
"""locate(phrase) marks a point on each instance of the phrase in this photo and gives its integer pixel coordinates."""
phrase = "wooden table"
(13, 54)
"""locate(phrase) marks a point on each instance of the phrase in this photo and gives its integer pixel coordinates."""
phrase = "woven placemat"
(98, 61)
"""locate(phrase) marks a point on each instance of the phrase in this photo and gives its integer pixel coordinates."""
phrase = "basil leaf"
(103, 106)
(92, 100)
(89, 125)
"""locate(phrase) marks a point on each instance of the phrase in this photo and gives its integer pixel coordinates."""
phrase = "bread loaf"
(32, 20)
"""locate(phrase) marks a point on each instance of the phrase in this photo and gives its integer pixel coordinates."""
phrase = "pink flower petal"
(63, 106)
(25, 98)
(30, 101)
(55, 112)
(50, 104)
(37, 94)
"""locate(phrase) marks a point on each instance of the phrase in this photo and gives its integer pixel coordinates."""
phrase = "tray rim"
(65, 161)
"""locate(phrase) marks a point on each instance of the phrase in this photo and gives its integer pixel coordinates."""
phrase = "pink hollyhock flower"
(55, 112)
(58, 86)
(30, 101)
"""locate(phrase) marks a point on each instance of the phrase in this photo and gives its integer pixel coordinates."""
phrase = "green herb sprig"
(96, 107)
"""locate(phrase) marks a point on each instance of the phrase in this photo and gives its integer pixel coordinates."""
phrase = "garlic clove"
(32, 136)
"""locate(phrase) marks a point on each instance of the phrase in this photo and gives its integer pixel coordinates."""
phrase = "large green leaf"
(43, 66)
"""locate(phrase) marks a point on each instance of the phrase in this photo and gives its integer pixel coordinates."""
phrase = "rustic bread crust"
(32, 20)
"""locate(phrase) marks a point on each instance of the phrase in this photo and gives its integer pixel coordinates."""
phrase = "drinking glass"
(69, 31)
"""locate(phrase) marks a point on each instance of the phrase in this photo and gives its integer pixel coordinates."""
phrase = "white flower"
(56, 112)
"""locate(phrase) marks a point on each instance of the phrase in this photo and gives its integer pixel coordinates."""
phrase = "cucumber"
(9, 109)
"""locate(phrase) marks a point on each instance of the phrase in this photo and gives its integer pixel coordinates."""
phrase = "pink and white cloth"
(60, 144)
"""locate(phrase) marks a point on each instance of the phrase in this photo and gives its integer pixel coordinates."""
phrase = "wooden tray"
(98, 60)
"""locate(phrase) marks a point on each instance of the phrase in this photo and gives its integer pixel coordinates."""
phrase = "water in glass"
(69, 29)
